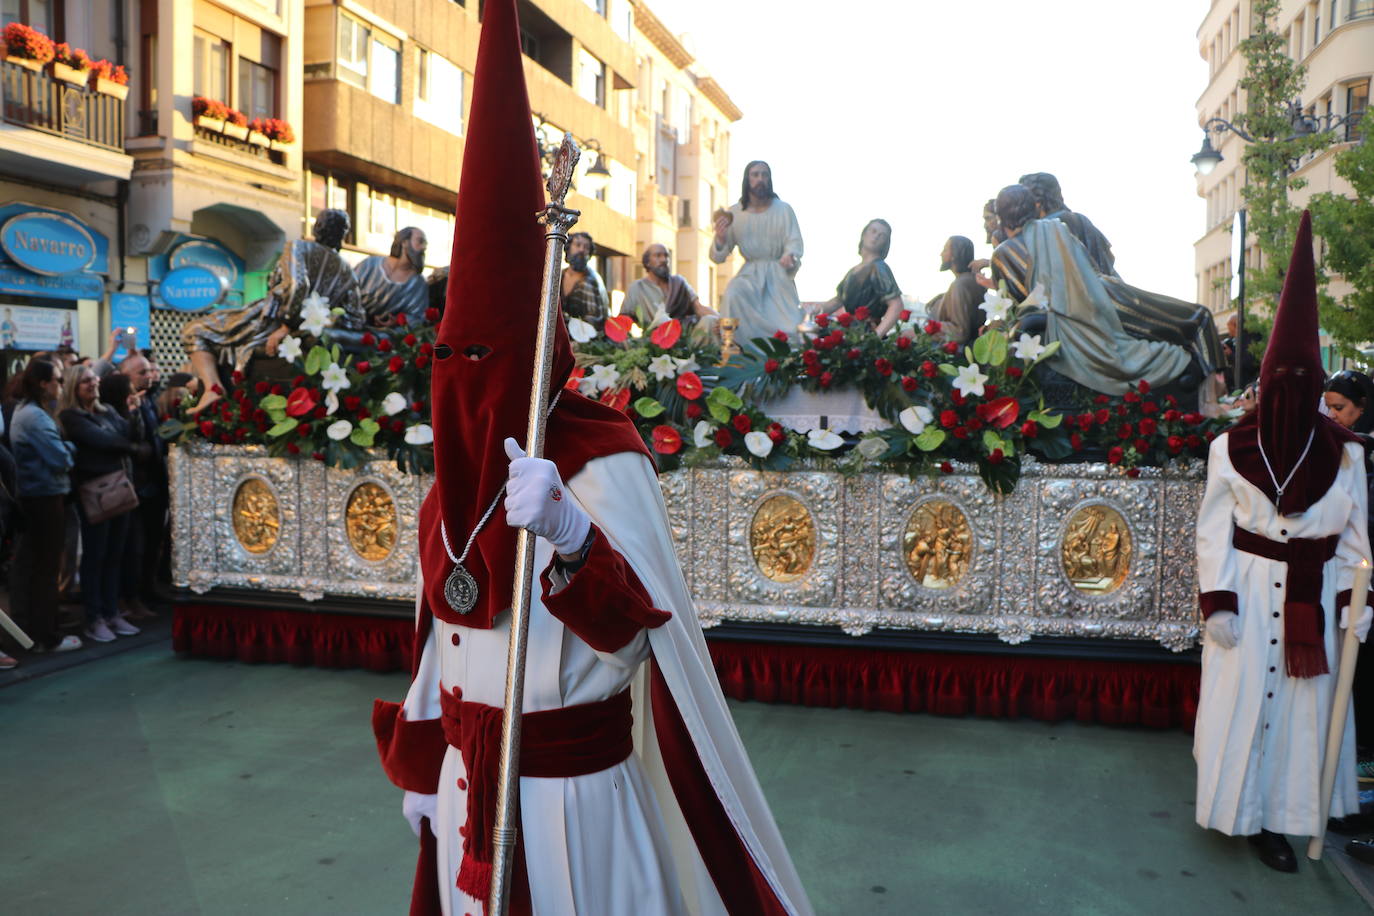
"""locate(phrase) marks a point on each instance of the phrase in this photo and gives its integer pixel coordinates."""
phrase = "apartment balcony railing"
(34, 99)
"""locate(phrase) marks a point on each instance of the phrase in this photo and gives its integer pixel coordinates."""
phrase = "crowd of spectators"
(67, 423)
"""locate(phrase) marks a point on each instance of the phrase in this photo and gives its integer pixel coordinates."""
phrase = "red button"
(458, 692)
(463, 783)
(454, 639)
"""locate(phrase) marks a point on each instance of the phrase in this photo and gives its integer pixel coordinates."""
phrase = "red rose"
(1115, 454)
(352, 402)
(319, 412)
(206, 428)
(989, 390)
(1122, 410)
(1014, 372)
(293, 448)
(301, 402)
(431, 315)
(1133, 472)
(1131, 397)
(318, 456)
(409, 340)
(1210, 435)
(826, 379)
(854, 353)
(689, 385)
(949, 419)
(384, 345)
(777, 433)
(1193, 441)
(1101, 399)
(810, 356)
(1102, 416)
(1144, 387)
(1125, 432)
(823, 343)
(224, 439)
(951, 348)
(368, 339)
(780, 335)
(909, 383)
(1171, 400)
(1149, 408)
(421, 361)
(1171, 416)
(883, 366)
(946, 467)
(298, 381)
(1084, 421)
(904, 314)
(957, 397)
(723, 438)
(693, 411)
(261, 387)
(974, 424)
(932, 327)
(742, 423)
(1141, 446)
(1147, 426)
(1175, 444)
(836, 337)
(960, 432)
(417, 406)
(362, 367)
(995, 457)
(813, 370)
(1192, 419)
(277, 389)
(1030, 429)
(903, 343)
(861, 313)
(303, 430)
(822, 320)
(770, 366)
(216, 388)
(395, 364)
(1075, 441)
(401, 319)
(398, 425)
(845, 319)
(667, 441)
(929, 369)
(427, 348)
(236, 377)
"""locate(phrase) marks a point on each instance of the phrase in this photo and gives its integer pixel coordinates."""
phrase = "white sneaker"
(123, 628)
(100, 632)
(68, 644)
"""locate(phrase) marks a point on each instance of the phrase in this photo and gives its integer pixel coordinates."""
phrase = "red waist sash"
(554, 743)
(1304, 649)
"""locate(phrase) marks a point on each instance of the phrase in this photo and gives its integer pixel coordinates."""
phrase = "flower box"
(214, 125)
(237, 131)
(28, 63)
(258, 139)
(110, 87)
(69, 74)
(282, 144)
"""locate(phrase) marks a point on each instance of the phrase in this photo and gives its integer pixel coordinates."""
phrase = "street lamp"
(594, 179)
(598, 176)
(1301, 124)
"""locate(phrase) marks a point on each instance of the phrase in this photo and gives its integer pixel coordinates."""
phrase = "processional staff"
(557, 220)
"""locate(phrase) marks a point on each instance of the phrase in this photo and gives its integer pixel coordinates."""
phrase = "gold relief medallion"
(937, 544)
(783, 538)
(1096, 552)
(371, 521)
(257, 519)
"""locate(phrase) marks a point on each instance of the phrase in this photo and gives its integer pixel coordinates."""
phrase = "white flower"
(315, 314)
(1028, 347)
(915, 419)
(995, 306)
(636, 331)
(663, 367)
(1037, 297)
(686, 364)
(703, 434)
(872, 448)
(580, 330)
(660, 317)
(331, 403)
(339, 429)
(334, 378)
(289, 349)
(823, 439)
(420, 434)
(604, 377)
(970, 380)
(393, 403)
(758, 444)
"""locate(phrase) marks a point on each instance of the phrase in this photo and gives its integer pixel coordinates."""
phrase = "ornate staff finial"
(561, 173)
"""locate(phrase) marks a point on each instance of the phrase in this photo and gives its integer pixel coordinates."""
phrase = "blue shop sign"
(69, 286)
(49, 253)
(132, 314)
(192, 288)
(196, 251)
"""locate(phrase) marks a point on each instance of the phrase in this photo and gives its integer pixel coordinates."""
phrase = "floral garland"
(980, 405)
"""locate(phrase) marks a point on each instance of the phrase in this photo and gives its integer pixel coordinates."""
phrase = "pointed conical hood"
(482, 378)
(1293, 341)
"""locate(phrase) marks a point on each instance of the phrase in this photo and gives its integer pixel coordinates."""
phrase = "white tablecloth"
(842, 411)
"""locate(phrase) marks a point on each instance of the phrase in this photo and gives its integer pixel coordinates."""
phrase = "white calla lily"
(331, 403)
(970, 380)
(758, 444)
(420, 434)
(1037, 297)
(703, 434)
(916, 418)
(580, 331)
(394, 403)
(686, 364)
(872, 448)
(823, 439)
(339, 429)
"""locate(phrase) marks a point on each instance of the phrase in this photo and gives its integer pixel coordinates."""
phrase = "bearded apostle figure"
(1280, 531)
(626, 806)
(763, 294)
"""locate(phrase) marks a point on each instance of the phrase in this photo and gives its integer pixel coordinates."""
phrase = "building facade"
(1334, 39)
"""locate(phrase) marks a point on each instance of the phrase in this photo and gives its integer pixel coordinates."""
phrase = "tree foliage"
(1346, 224)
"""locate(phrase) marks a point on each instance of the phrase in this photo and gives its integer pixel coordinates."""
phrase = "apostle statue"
(306, 270)
(661, 294)
(762, 296)
(1074, 306)
(1049, 204)
(582, 292)
(960, 309)
(870, 285)
(394, 284)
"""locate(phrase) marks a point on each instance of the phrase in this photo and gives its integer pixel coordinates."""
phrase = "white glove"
(417, 805)
(1223, 629)
(1361, 625)
(536, 499)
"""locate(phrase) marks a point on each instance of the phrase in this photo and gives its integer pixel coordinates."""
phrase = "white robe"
(763, 295)
(611, 843)
(1260, 734)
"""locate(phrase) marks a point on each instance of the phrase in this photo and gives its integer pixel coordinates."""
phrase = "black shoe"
(1361, 849)
(1274, 851)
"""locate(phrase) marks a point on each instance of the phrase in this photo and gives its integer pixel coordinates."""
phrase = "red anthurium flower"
(667, 334)
(300, 402)
(618, 328)
(574, 377)
(995, 457)
(689, 385)
(667, 441)
(1003, 412)
(619, 400)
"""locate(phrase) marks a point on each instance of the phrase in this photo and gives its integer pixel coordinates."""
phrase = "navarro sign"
(49, 244)
(192, 288)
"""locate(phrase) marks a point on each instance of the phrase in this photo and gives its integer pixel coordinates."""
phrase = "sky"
(919, 112)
